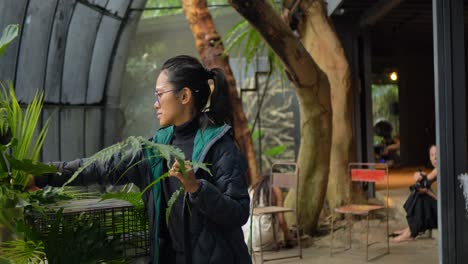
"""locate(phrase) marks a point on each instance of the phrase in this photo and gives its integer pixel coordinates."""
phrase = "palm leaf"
(20, 251)
(23, 127)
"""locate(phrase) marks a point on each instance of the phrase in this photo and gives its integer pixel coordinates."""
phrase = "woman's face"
(168, 108)
(433, 156)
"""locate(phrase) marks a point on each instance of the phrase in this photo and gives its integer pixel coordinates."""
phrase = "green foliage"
(22, 128)
(128, 149)
(49, 195)
(9, 34)
(245, 40)
(383, 95)
(275, 151)
(20, 251)
(134, 198)
(172, 200)
(82, 239)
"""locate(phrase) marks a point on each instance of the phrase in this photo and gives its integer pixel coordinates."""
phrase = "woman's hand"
(31, 186)
(189, 180)
(417, 176)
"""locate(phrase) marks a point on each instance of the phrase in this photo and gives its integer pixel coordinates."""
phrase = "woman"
(205, 223)
(421, 205)
(260, 194)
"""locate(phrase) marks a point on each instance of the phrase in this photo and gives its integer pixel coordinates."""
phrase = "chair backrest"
(368, 172)
(284, 174)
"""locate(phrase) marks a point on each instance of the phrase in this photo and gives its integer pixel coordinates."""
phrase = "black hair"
(186, 71)
(262, 186)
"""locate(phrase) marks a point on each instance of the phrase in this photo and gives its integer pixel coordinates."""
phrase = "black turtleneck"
(183, 138)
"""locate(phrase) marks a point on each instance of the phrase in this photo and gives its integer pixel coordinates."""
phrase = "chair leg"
(275, 239)
(388, 233)
(367, 239)
(260, 236)
(349, 222)
(331, 234)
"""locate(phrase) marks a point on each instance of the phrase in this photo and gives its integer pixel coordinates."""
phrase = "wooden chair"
(289, 180)
(363, 172)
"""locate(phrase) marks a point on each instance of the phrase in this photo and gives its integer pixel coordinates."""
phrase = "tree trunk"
(211, 50)
(314, 105)
(321, 41)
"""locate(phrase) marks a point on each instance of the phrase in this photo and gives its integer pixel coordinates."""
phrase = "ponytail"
(219, 111)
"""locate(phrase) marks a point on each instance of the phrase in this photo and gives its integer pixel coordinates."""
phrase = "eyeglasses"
(158, 95)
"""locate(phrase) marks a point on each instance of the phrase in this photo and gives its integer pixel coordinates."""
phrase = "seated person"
(391, 152)
(421, 205)
(388, 150)
(259, 195)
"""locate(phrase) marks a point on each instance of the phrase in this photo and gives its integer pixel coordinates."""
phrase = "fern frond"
(162, 177)
(171, 202)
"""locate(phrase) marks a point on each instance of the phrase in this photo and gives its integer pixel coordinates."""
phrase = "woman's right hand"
(417, 176)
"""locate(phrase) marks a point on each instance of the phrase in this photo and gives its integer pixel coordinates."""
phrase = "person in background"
(421, 205)
(259, 194)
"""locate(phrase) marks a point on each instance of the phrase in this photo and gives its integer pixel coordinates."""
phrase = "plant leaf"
(202, 166)
(20, 251)
(133, 198)
(30, 166)
(171, 202)
(275, 151)
(162, 177)
(9, 34)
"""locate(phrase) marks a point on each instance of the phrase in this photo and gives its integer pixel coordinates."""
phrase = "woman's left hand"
(189, 180)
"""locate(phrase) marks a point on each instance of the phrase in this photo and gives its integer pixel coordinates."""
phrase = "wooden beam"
(377, 11)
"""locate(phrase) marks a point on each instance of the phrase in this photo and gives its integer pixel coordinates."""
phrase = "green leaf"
(202, 166)
(30, 166)
(9, 34)
(256, 134)
(20, 251)
(171, 202)
(162, 177)
(275, 151)
(49, 195)
(133, 198)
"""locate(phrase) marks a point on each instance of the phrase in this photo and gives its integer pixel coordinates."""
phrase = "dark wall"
(417, 104)
(412, 54)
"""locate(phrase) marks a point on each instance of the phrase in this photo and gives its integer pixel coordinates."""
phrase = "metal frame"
(450, 97)
(370, 166)
(275, 209)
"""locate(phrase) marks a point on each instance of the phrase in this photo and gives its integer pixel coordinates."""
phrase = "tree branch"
(280, 38)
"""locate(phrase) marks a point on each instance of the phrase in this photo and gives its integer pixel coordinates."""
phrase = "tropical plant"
(128, 149)
(9, 34)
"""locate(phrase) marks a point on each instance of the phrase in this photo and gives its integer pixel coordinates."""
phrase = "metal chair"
(363, 172)
(288, 180)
